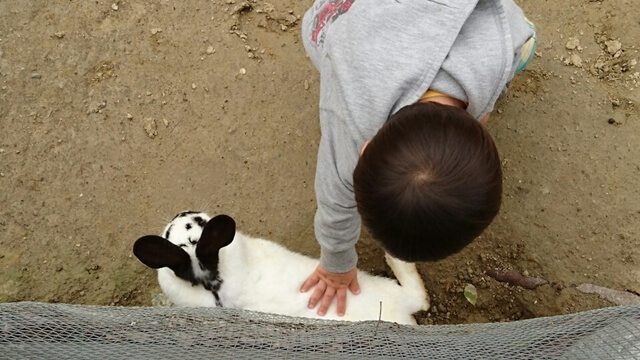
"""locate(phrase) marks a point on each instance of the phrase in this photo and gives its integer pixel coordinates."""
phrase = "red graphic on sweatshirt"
(329, 13)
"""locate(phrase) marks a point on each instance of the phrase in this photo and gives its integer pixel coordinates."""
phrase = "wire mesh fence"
(57, 331)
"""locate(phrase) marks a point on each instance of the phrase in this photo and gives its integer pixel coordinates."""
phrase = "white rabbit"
(203, 261)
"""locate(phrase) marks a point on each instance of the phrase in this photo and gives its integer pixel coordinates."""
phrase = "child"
(405, 87)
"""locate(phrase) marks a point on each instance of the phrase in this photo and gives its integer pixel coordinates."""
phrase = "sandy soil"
(117, 115)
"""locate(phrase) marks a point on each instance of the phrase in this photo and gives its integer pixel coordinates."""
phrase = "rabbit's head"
(189, 246)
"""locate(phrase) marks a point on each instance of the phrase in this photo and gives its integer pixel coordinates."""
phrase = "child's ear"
(364, 146)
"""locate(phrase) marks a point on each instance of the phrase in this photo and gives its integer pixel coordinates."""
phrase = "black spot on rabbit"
(183, 214)
(200, 221)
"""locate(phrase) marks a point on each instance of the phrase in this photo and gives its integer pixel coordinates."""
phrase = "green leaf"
(471, 294)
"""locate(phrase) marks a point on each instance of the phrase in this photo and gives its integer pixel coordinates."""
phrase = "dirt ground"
(117, 115)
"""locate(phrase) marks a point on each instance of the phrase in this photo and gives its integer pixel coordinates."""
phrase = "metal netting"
(56, 331)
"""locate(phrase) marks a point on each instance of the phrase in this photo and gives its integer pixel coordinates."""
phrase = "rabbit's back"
(261, 275)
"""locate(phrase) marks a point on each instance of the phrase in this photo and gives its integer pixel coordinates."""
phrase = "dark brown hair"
(429, 182)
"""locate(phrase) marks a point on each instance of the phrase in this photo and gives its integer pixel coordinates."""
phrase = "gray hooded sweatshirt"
(377, 56)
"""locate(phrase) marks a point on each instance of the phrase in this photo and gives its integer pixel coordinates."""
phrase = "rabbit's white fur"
(261, 275)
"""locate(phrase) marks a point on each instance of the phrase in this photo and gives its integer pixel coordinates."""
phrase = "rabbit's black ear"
(157, 252)
(217, 233)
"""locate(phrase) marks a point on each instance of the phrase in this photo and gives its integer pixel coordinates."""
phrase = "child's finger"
(342, 301)
(317, 294)
(310, 282)
(354, 287)
(329, 294)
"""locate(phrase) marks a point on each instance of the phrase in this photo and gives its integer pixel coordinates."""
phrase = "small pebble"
(36, 76)
(613, 46)
(114, 7)
(150, 127)
(611, 121)
(575, 60)
(573, 43)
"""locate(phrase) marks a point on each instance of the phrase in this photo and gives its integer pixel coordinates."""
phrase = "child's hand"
(330, 285)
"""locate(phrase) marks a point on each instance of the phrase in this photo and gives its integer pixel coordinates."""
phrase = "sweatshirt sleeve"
(337, 222)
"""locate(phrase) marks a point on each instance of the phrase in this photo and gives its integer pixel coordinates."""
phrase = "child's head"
(429, 182)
